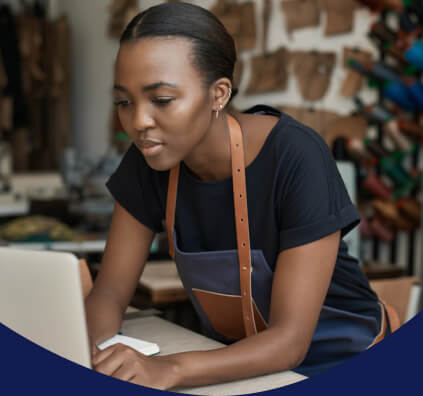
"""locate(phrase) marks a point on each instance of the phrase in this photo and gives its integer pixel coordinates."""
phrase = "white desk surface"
(173, 338)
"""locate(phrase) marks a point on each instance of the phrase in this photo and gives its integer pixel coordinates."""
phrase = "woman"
(312, 306)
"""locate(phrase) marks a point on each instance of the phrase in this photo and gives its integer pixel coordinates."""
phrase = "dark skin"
(179, 118)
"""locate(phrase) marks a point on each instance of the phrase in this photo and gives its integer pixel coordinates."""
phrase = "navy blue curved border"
(392, 367)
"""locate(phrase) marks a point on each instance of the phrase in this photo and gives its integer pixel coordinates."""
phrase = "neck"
(211, 158)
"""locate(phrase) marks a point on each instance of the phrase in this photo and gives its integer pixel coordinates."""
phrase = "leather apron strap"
(241, 219)
(172, 192)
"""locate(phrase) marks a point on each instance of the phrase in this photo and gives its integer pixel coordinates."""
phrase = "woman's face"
(162, 102)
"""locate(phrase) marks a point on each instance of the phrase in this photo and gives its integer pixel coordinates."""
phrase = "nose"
(142, 119)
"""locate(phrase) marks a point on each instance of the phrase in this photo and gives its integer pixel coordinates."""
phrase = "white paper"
(145, 347)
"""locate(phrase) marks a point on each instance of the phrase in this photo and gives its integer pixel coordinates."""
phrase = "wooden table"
(172, 339)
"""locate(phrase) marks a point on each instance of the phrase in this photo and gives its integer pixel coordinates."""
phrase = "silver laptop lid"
(41, 299)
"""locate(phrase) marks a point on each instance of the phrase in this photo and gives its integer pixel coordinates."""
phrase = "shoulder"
(287, 138)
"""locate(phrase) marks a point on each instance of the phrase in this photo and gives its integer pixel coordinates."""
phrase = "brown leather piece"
(390, 213)
(396, 293)
(410, 208)
(313, 71)
(172, 193)
(353, 80)
(299, 14)
(411, 128)
(340, 16)
(268, 72)
(383, 327)
(241, 223)
(394, 319)
(239, 21)
(224, 312)
(346, 127)
(318, 120)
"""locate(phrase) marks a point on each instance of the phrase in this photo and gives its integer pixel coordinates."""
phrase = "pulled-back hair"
(213, 49)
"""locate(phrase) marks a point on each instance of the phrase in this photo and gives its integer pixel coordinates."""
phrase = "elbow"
(295, 349)
(298, 357)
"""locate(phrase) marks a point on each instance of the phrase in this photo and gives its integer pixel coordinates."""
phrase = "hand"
(93, 348)
(127, 364)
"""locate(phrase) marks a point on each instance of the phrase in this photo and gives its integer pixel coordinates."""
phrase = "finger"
(104, 354)
(94, 349)
(110, 364)
(124, 372)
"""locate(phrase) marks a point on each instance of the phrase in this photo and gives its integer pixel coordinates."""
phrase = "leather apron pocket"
(224, 311)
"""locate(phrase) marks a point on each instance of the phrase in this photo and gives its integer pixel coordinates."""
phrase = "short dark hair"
(213, 48)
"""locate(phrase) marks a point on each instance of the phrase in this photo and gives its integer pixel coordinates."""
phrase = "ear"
(221, 93)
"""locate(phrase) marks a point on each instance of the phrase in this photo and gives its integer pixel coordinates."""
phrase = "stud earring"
(217, 111)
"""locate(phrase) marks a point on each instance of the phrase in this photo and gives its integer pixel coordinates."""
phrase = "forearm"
(104, 316)
(272, 350)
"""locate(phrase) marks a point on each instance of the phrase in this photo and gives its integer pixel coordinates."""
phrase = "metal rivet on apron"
(240, 195)
(243, 244)
(242, 220)
(244, 268)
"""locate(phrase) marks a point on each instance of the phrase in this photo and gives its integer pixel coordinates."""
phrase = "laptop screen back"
(41, 299)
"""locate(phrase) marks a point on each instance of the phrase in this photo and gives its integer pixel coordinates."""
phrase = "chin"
(159, 164)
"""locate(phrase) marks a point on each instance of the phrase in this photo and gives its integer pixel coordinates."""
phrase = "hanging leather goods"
(357, 150)
(313, 71)
(401, 142)
(239, 21)
(340, 16)
(389, 211)
(268, 72)
(411, 128)
(299, 14)
(380, 229)
(376, 186)
(353, 80)
(411, 208)
(346, 127)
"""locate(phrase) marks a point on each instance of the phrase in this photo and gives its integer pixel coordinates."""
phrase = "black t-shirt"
(295, 195)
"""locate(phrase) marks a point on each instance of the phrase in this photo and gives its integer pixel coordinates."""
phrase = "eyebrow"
(150, 87)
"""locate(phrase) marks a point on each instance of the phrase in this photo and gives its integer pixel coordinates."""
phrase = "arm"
(300, 284)
(127, 249)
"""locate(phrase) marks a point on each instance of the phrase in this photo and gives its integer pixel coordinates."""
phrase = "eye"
(162, 100)
(121, 102)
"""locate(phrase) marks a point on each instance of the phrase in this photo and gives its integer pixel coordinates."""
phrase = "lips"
(150, 147)
(148, 143)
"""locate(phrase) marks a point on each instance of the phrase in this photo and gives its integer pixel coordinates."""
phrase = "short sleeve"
(313, 200)
(135, 186)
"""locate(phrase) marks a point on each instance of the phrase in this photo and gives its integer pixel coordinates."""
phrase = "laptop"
(41, 299)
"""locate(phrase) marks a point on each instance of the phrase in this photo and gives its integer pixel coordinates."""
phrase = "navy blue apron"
(218, 284)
